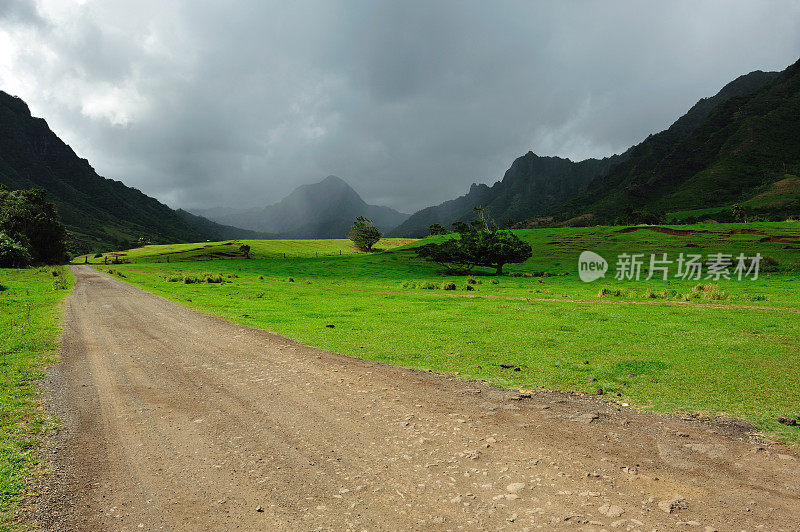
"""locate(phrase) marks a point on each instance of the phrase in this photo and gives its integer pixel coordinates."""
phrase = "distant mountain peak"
(325, 209)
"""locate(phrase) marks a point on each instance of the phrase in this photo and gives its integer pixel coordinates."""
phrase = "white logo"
(591, 266)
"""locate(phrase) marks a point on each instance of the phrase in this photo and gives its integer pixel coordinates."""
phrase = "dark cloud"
(217, 103)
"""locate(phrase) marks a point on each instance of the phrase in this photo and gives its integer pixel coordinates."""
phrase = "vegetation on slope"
(99, 213)
(532, 185)
(745, 145)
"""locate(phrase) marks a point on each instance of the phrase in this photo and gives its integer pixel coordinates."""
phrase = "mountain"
(740, 146)
(320, 210)
(99, 213)
(528, 188)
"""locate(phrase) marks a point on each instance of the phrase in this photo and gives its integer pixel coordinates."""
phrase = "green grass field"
(723, 347)
(29, 328)
(259, 249)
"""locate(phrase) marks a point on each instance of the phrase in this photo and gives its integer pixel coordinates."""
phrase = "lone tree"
(364, 234)
(245, 249)
(480, 244)
(737, 212)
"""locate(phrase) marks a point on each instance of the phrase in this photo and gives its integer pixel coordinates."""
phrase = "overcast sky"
(235, 103)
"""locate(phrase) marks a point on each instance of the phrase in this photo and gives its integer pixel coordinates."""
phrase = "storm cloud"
(211, 103)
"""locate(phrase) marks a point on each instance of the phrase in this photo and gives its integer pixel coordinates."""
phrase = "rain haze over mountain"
(206, 104)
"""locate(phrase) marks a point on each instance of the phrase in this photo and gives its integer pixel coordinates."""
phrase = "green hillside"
(747, 151)
(99, 213)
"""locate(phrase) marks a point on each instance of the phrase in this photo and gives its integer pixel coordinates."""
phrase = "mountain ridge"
(550, 188)
(654, 177)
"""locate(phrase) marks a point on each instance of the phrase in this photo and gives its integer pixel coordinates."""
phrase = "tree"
(12, 254)
(737, 212)
(437, 229)
(364, 234)
(477, 247)
(245, 249)
(30, 220)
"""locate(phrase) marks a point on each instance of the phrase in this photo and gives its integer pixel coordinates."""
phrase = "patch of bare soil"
(175, 420)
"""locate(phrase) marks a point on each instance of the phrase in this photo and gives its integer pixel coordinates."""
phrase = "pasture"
(711, 347)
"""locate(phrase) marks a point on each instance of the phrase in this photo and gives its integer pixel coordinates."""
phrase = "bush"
(12, 253)
(448, 286)
(469, 287)
(428, 286)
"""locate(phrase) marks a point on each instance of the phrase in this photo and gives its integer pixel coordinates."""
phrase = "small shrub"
(613, 292)
(448, 286)
(757, 297)
(495, 281)
(260, 277)
(768, 264)
(428, 286)
(290, 280)
(191, 279)
(214, 278)
(55, 273)
(408, 284)
(649, 294)
(708, 291)
(173, 278)
(469, 287)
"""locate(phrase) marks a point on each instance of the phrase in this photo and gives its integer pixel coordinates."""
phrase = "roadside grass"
(29, 324)
(671, 346)
(259, 249)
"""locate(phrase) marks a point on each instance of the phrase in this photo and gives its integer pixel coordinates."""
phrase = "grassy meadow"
(29, 328)
(259, 249)
(712, 347)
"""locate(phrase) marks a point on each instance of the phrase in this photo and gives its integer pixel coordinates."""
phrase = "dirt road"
(178, 421)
